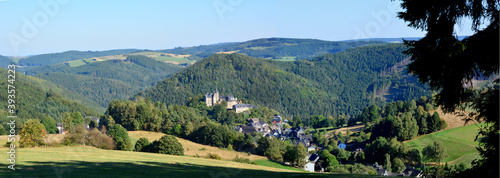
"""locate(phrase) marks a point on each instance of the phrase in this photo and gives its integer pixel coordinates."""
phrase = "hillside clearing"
(459, 142)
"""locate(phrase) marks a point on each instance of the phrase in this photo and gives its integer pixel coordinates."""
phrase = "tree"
(120, 137)
(32, 134)
(387, 163)
(435, 151)
(77, 118)
(50, 124)
(398, 165)
(168, 144)
(141, 144)
(331, 160)
(2, 130)
(449, 65)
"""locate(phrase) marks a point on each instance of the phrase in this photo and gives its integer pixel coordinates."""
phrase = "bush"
(100, 140)
(92, 138)
(168, 144)
(120, 137)
(32, 134)
(213, 156)
(244, 160)
(141, 144)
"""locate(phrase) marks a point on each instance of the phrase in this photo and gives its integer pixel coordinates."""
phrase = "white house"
(311, 162)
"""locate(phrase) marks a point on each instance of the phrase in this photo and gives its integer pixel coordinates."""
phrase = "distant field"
(173, 59)
(288, 58)
(193, 149)
(459, 143)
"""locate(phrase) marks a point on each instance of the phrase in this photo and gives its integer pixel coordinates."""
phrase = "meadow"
(459, 143)
(85, 161)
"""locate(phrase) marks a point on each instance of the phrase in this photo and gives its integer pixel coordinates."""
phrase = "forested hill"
(333, 84)
(36, 98)
(105, 81)
(56, 58)
(4, 61)
(274, 48)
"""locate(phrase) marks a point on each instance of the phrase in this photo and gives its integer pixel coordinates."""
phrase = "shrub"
(100, 140)
(213, 156)
(50, 124)
(120, 136)
(32, 134)
(141, 144)
(244, 160)
(168, 144)
(92, 138)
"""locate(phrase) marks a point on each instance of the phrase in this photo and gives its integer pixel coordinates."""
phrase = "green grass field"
(288, 58)
(459, 143)
(84, 161)
(173, 59)
(76, 63)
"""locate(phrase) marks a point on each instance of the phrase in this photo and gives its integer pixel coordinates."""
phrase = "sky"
(29, 27)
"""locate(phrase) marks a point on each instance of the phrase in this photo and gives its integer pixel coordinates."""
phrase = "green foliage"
(79, 135)
(387, 163)
(32, 134)
(50, 124)
(3, 131)
(36, 99)
(141, 144)
(434, 151)
(244, 160)
(105, 81)
(273, 48)
(120, 137)
(447, 63)
(168, 144)
(398, 165)
(213, 156)
(55, 58)
(405, 122)
(301, 88)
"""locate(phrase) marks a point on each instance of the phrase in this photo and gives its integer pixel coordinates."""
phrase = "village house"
(60, 128)
(311, 162)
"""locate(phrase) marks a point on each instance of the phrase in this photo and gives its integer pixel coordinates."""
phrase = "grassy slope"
(459, 143)
(84, 161)
(192, 148)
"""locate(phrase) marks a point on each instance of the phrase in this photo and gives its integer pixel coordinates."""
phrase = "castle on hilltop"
(211, 99)
(214, 98)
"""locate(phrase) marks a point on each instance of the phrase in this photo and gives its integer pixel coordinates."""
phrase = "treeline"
(330, 85)
(274, 48)
(401, 120)
(56, 58)
(105, 81)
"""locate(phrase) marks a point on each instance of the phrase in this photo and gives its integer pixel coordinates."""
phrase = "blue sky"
(45, 26)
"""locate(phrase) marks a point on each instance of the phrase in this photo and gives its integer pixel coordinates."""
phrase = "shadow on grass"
(142, 169)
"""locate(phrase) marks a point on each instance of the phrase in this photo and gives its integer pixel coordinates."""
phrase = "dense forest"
(56, 58)
(273, 48)
(4, 61)
(105, 81)
(330, 85)
(36, 99)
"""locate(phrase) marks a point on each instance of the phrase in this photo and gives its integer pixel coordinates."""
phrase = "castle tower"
(216, 96)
